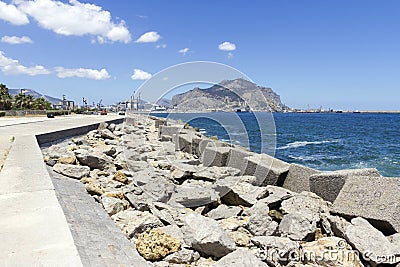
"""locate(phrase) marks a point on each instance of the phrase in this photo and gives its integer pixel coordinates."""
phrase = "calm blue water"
(321, 141)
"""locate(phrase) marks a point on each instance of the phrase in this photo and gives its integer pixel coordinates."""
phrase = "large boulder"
(373, 198)
(72, 171)
(298, 178)
(215, 173)
(112, 205)
(328, 184)
(223, 212)
(194, 193)
(134, 222)
(279, 249)
(267, 169)
(95, 160)
(297, 226)
(206, 236)
(260, 223)
(238, 190)
(240, 258)
(371, 242)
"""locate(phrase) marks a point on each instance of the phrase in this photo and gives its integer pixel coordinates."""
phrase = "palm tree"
(41, 104)
(23, 101)
(5, 98)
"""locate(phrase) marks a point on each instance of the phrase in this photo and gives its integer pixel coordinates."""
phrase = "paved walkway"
(99, 241)
(33, 228)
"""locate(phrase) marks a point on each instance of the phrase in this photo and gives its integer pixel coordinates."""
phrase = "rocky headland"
(184, 199)
(229, 95)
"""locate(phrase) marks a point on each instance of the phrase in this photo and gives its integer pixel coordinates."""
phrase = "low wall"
(62, 134)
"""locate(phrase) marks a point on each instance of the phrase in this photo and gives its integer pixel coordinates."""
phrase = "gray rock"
(182, 170)
(376, 199)
(268, 170)
(215, 173)
(233, 191)
(223, 212)
(183, 256)
(328, 185)
(58, 151)
(371, 242)
(395, 240)
(51, 162)
(275, 195)
(72, 171)
(307, 203)
(279, 248)
(194, 193)
(133, 222)
(107, 134)
(260, 223)
(171, 214)
(111, 127)
(206, 236)
(94, 160)
(112, 205)
(338, 225)
(240, 258)
(297, 226)
(176, 232)
(215, 156)
(236, 158)
(111, 142)
(241, 236)
(102, 126)
(298, 178)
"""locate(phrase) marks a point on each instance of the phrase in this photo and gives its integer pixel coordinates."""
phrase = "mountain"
(52, 100)
(164, 102)
(229, 95)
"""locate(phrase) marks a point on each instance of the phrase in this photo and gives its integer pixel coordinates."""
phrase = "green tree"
(23, 101)
(5, 98)
(41, 104)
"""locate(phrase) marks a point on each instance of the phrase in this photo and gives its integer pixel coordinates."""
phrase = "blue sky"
(339, 54)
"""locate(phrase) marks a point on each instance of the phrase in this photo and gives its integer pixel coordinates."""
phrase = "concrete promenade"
(33, 227)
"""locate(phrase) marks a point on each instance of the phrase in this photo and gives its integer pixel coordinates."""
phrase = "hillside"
(52, 100)
(229, 95)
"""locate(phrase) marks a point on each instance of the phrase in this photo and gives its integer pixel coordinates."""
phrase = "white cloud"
(11, 14)
(183, 51)
(75, 18)
(82, 73)
(140, 75)
(161, 46)
(227, 46)
(16, 40)
(148, 37)
(230, 55)
(11, 66)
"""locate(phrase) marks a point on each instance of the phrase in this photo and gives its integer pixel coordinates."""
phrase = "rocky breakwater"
(184, 199)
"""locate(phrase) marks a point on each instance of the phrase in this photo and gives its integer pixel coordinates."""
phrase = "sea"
(323, 141)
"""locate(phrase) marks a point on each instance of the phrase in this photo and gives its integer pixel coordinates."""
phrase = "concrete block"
(208, 142)
(169, 130)
(215, 156)
(298, 178)
(375, 199)
(268, 170)
(328, 185)
(183, 142)
(236, 158)
(159, 122)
